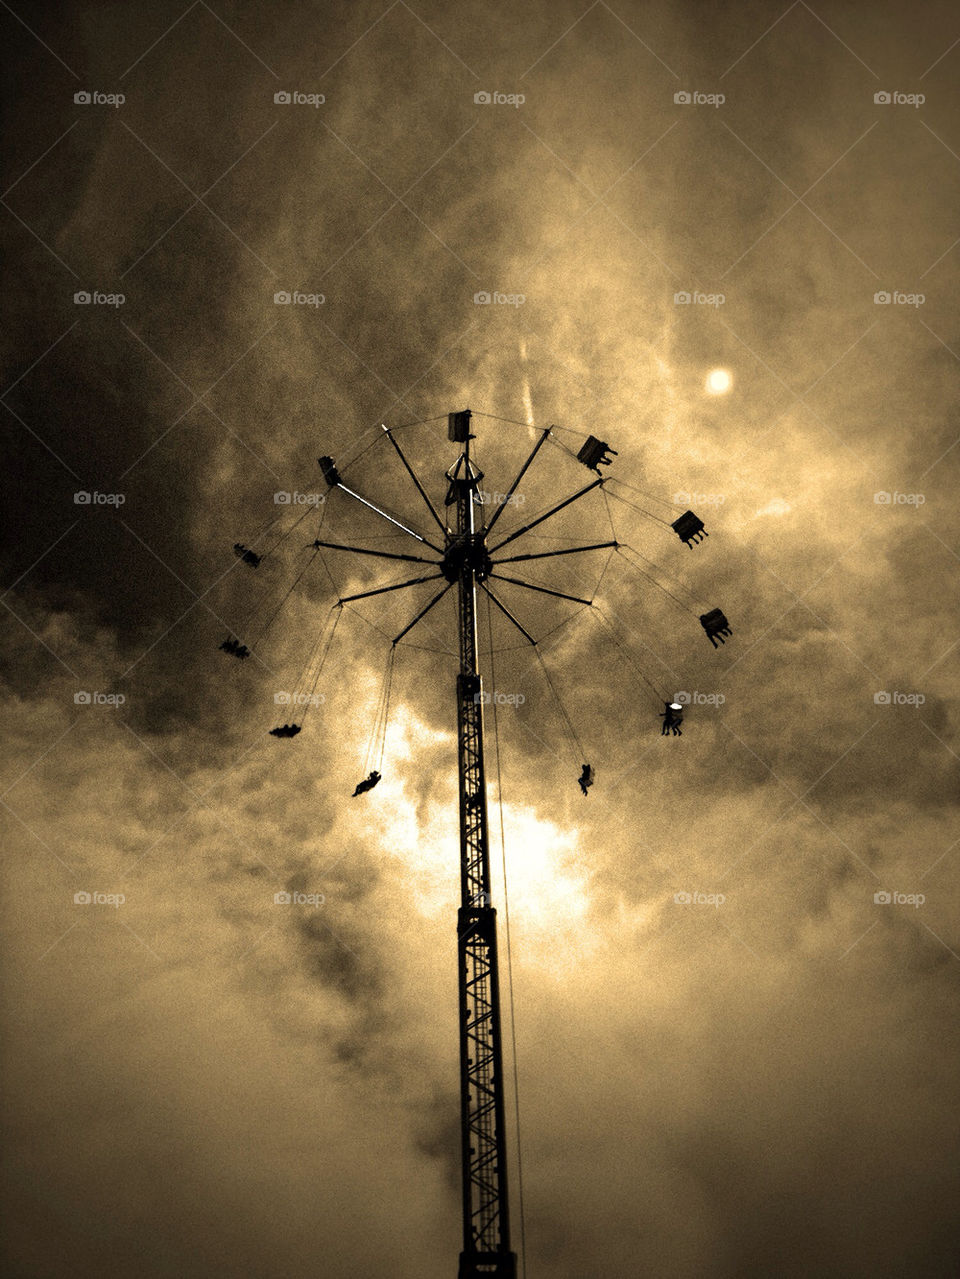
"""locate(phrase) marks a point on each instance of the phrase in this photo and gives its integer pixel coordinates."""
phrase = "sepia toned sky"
(735, 965)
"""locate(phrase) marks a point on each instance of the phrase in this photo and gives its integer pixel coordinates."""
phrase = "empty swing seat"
(458, 426)
(689, 528)
(235, 648)
(716, 626)
(593, 454)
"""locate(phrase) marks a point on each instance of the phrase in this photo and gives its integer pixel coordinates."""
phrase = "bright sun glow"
(719, 381)
(550, 890)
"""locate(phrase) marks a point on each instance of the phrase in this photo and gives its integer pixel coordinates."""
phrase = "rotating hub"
(468, 551)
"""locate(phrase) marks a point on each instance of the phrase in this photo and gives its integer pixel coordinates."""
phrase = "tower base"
(487, 1265)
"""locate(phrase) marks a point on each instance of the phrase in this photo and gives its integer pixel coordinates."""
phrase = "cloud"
(203, 1079)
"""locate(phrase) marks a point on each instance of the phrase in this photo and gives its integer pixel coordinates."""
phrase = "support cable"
(606, 507)
(345, 466)
(304, 676)
(544, 436)
(422, 648)
(553, 629)
(424, 421)
(554, 510)
(267, 527)
(529, 427)
(639, 509)
(511, 420)
(603, 572)
(323, 658)
(289, 592)
(649, 496)
(532, 586)
(622, 547)
(515, 422)
(386, 704)
(378, 737)
(559, 444)
(262, 604)
(637, 569)
(660, 695)
(280, 540)
(569, 723)
(375, 431)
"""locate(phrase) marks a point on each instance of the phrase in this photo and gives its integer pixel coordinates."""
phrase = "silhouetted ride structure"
(467, 559)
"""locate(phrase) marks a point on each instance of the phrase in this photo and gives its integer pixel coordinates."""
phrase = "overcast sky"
(758, 1081)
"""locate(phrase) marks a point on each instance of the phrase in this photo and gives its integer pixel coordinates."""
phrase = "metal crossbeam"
(365, 550)
(506, 612)
(545, 555)
(420, 489)
(523, 470)
(553, 511)
(544, 590)
(382, 590)
(423, 612)
(340, 484)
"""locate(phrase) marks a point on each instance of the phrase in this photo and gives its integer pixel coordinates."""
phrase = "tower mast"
(486, 1214)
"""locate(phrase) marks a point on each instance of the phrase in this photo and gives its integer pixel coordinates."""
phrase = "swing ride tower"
(465, 561)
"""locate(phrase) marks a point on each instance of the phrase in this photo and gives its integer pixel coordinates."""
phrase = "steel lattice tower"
(486, 1216)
